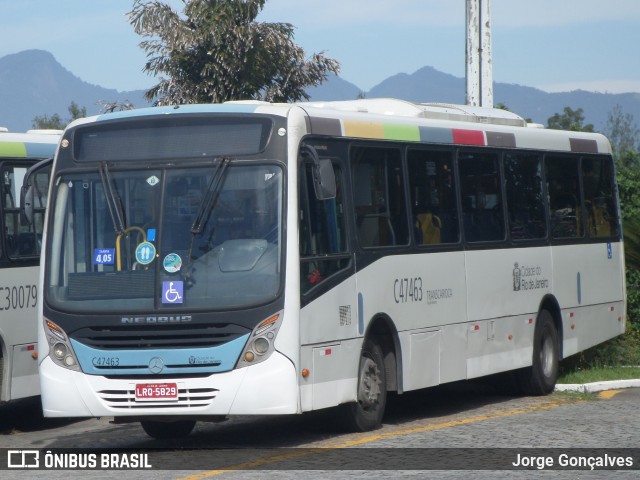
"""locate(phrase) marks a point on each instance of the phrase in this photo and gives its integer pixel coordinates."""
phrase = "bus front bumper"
(268, 388)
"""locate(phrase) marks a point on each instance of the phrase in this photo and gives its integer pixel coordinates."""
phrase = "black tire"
(164, 430)
(366, 414)
(540, 378)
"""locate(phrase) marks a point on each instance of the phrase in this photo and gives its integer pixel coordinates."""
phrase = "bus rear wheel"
(163, 430)
(540, 378)
(366, 413)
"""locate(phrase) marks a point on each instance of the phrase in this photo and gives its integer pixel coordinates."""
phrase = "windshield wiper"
(113, 200)
(210, 197)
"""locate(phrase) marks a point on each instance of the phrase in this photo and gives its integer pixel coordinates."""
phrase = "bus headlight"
(60, 352)
(261, 342)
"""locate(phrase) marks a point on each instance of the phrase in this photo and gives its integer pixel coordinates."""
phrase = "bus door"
(328, 317)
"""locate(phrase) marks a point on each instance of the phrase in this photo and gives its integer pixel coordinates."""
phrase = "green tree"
(56, 122)
(45, 122)
(622, 131)
(216, 51)
(569, 120)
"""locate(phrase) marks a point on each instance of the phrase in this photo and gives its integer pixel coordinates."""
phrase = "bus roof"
(391, 119)
(33, 144)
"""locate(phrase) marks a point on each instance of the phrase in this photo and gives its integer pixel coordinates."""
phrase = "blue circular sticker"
(145, 253)
(172, 263)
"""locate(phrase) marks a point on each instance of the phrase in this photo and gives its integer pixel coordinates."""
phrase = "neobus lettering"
(157, 319)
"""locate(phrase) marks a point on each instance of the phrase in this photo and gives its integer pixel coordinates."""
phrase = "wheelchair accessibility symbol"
(172, 292)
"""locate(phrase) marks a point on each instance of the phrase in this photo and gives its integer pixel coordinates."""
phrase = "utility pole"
(479, 68)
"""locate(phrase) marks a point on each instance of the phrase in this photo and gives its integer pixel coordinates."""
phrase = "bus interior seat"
(428, 228)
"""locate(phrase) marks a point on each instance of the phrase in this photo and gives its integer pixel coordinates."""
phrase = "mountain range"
(33, 83)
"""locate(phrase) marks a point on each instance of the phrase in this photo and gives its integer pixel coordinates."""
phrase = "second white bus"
(20, 245)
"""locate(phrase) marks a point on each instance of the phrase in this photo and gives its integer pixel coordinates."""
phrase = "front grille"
(187, 398)
(158, 336)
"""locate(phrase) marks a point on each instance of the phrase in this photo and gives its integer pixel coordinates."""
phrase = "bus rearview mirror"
(324, 179)
(26, 202)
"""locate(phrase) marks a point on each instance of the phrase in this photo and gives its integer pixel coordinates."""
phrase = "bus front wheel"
(366, 413)
(540, 378)
(163, 430)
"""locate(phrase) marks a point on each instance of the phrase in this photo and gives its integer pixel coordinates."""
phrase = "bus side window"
(379, 197)
(525, 201)
(483, 219)
(433, 196)
(563, 189)
(597, 180)
(323, 245)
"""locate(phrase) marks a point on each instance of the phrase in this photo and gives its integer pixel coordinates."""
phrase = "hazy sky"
(555, 45)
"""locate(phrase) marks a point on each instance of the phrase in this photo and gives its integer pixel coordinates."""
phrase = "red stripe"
(468, 137)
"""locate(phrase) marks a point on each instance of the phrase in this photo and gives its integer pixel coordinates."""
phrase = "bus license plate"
(156, 391)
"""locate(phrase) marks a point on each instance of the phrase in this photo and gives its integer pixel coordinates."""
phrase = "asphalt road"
(477, 427)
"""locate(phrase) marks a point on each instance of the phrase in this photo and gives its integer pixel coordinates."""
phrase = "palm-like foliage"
(216, 51)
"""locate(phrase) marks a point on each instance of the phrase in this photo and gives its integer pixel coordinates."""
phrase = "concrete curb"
(597, 386)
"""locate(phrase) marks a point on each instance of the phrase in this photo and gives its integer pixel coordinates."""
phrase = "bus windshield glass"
(191, 238)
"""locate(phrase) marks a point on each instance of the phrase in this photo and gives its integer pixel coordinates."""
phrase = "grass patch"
(605, 362)
(599, 374)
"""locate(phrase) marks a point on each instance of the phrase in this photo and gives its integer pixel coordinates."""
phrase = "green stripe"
(409, 133)
(13, 149)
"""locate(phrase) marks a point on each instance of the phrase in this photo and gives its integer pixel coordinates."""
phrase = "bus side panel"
(423, 292)
(330, 347)
(506, 287)
(507, 282)
(589, 282)
(18, 329)
(24, 371)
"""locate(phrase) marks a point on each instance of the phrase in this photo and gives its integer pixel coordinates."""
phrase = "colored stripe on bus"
(468, 137)
(407, 133)
(41, 149)
(363, 129)
(436, 135)
(499, 139)
(13, 149)
(583, 146)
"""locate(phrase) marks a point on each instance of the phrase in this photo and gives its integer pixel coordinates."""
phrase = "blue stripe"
(175, 361)
(181, 109)
(436, 135)
(40, 149)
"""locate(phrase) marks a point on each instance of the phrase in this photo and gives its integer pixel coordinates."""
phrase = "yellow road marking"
(304, 452)
(607, 394)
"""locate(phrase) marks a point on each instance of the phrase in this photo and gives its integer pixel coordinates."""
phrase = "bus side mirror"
(27, 192)
(324, 178)
(26, 202)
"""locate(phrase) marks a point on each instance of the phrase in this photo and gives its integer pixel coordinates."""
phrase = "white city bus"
(252, 258)
(19, 260)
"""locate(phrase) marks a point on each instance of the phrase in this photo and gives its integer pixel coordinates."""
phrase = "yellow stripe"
(371, 438)
(363, 129)
(607, 394)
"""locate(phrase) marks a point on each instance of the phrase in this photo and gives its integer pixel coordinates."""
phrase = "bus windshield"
(200, 237)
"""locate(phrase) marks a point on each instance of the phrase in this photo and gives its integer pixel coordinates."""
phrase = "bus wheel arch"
(384, 332)
(377, 374)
